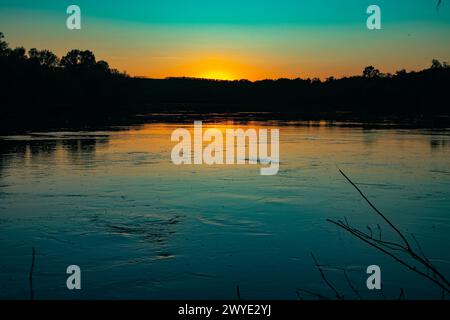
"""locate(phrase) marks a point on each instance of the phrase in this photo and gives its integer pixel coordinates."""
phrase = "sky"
(237, 39)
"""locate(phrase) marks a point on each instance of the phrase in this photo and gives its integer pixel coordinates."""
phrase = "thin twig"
(352, 286)
(382, 292)
(402, 294)
(322, 274)
(371, 233)
(315, 294)
(420, 247)
(408, 249)
(376, 210)
(298, 295)
(31, 274)
(388, 244)
(375, 245)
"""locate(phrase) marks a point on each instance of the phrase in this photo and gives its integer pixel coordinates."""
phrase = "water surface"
(140, 227)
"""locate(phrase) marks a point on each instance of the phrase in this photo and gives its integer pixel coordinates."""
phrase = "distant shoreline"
(41, 90)
(24, 125)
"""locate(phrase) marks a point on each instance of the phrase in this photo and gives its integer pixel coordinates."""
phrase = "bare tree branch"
(322, 274)
(384, 246)
(352, 286)
(376, 210)
(238, 292)
(312, 293)
(30, 277)
(375, 245)
(402, 294)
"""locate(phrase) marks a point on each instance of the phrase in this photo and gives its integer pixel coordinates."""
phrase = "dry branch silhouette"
(394, 249)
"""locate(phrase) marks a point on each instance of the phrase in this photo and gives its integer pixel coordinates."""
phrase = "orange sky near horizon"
(235, 51)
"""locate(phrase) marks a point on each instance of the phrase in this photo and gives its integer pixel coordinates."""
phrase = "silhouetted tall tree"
(102, 66)
(370, 72)
(78, 59)
(18, 53)
(3, 44)
(436, 64)
(44, 58)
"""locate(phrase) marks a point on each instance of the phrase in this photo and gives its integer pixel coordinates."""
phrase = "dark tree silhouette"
(436, 64)
(78, 59)
(43, 58)
(102, 66)
(18, 53)
(3, 44)
(38, 87)
(370, 72)
(84, 60)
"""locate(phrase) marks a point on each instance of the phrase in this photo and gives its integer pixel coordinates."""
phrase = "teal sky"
(314, 12)
(237, 39)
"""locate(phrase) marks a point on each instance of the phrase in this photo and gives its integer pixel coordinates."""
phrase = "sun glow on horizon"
(217, 75)
(217, 67)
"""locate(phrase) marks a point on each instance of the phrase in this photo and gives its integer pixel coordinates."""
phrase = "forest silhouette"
(40, 88)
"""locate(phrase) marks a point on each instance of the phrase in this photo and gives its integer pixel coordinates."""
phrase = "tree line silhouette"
(39, 87)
